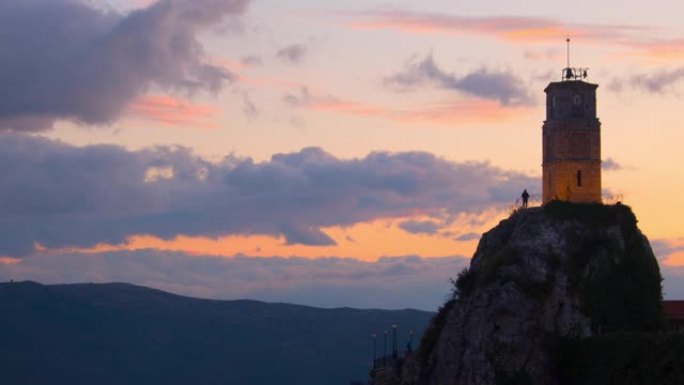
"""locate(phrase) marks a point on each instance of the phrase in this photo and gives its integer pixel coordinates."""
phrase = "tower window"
(579, 178)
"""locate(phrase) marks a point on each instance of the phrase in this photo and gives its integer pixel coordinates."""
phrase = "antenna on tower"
(570, 73)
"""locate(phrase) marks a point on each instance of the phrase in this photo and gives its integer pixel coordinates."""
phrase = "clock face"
(577, 99)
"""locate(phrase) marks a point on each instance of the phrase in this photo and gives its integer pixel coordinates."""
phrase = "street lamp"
(374, 351)
(410, 341)
(384, 360)
(394, 341)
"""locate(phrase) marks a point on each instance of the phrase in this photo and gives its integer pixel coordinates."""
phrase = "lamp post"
(374, 351)
(384, 360)
(394, 342)
(411, 341)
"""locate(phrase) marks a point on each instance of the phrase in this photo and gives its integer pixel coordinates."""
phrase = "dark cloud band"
(59, 195)
(66, 60)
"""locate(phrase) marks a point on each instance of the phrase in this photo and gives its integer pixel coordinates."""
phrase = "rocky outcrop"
(540, 276)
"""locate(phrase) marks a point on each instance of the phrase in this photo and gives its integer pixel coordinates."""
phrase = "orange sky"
(302, 74)
(366, 241)
(342, 97)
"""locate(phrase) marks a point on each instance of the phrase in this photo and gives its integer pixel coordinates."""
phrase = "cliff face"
(544, 274)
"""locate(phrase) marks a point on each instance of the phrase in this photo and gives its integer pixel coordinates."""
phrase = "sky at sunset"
(329, 153)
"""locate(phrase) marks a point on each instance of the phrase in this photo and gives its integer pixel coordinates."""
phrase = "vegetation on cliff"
(618, 280)
(541, 287)
(619, 285)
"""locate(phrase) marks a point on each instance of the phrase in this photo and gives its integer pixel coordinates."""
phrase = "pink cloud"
(637, 39)
(170, 111)
(447, 113)
(659, 49)
(509, 28)
(9, 261)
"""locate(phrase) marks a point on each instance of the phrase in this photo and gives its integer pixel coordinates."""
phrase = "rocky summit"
(541, 277)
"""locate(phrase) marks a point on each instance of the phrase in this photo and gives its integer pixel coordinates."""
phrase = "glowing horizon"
(318, 130)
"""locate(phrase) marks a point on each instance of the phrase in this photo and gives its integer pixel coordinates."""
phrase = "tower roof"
(570, 85)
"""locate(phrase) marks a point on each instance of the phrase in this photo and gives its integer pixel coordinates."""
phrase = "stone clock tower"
(571, 140)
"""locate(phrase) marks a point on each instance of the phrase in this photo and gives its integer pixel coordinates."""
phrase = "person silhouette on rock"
(525, 197)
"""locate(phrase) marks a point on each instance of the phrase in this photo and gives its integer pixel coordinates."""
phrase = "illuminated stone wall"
(571, 143)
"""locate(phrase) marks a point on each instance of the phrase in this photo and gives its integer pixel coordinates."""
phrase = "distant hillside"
(125, 334)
